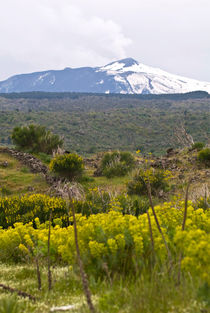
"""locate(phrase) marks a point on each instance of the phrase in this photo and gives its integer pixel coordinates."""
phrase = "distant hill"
(98, 122)
(125, 76)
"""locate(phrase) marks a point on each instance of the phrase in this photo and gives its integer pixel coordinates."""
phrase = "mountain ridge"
(126, 76)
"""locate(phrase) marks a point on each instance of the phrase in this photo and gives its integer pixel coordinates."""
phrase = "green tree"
(35, 138)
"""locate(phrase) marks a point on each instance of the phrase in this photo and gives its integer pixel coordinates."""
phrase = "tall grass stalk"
(183, 225)
(49, 273)
(81, 267)
(157, 221)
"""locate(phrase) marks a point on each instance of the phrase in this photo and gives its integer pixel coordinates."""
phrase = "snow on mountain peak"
(122, 65)
(126, 76)
(128, 62)
(139, 78)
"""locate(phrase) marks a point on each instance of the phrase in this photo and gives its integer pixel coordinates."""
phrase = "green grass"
(115, 184)
(66, 287)
(156, 293)
(159, 295)
(188, 167)
(17, 179)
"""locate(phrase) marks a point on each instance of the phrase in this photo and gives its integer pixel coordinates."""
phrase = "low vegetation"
(204, 156)
(198, 146)
(35, 138)
(16, 178)
(132, 236)
(157, 178)
(69, 165)
(93, 123)
(117, 164)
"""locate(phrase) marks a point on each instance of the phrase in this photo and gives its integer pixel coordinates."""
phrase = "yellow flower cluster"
(26, 208)
(114, 238)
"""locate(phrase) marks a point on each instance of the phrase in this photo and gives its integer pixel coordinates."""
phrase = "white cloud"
(53, 34)
(43, 34)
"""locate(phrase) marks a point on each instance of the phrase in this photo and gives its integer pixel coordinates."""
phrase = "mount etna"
(125, 76)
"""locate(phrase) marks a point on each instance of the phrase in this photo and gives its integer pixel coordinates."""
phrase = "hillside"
(114, 239)
(91, 122)
(182, 164)
(22, 173)
(125, 76)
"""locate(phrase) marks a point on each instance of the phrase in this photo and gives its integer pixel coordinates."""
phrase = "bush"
(123, 242)
(198, 146)
(117, 163)
(203, 203)
(35, 138)
(204, 156)
(157, 178)
(67, 165)
(26, 208)
(99, 201)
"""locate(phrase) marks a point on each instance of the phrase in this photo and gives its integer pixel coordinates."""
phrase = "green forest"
(91, 123)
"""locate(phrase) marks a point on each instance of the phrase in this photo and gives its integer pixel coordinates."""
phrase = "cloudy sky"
(53, 34)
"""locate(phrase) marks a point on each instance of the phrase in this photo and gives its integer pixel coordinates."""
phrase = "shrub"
(134, 205)
(97, 201)
(35, 138)
(26, 208)
(203, 203)
(204, 156)
(67, 165)
(117, 163)
(158, 180)
(198, 146)
(100, 201)
(123, 242)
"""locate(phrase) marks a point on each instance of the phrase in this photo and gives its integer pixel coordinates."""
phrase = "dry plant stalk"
(151, 234)
(74, 192)
(204, 192)
(59, 150)
(183, 225)
(49, 273)
(38, 274)
(156, 220)
(19, 292)
(183, 137)
(186, 204)
(206, 196)
(106, 269)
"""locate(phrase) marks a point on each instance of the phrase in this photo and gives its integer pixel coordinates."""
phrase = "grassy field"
(17, 179)
(114, 185)
(155, 293)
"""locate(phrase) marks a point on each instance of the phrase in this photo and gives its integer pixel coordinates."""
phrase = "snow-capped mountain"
(125, 76)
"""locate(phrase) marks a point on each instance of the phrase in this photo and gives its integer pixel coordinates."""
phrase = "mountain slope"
(125, 76)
